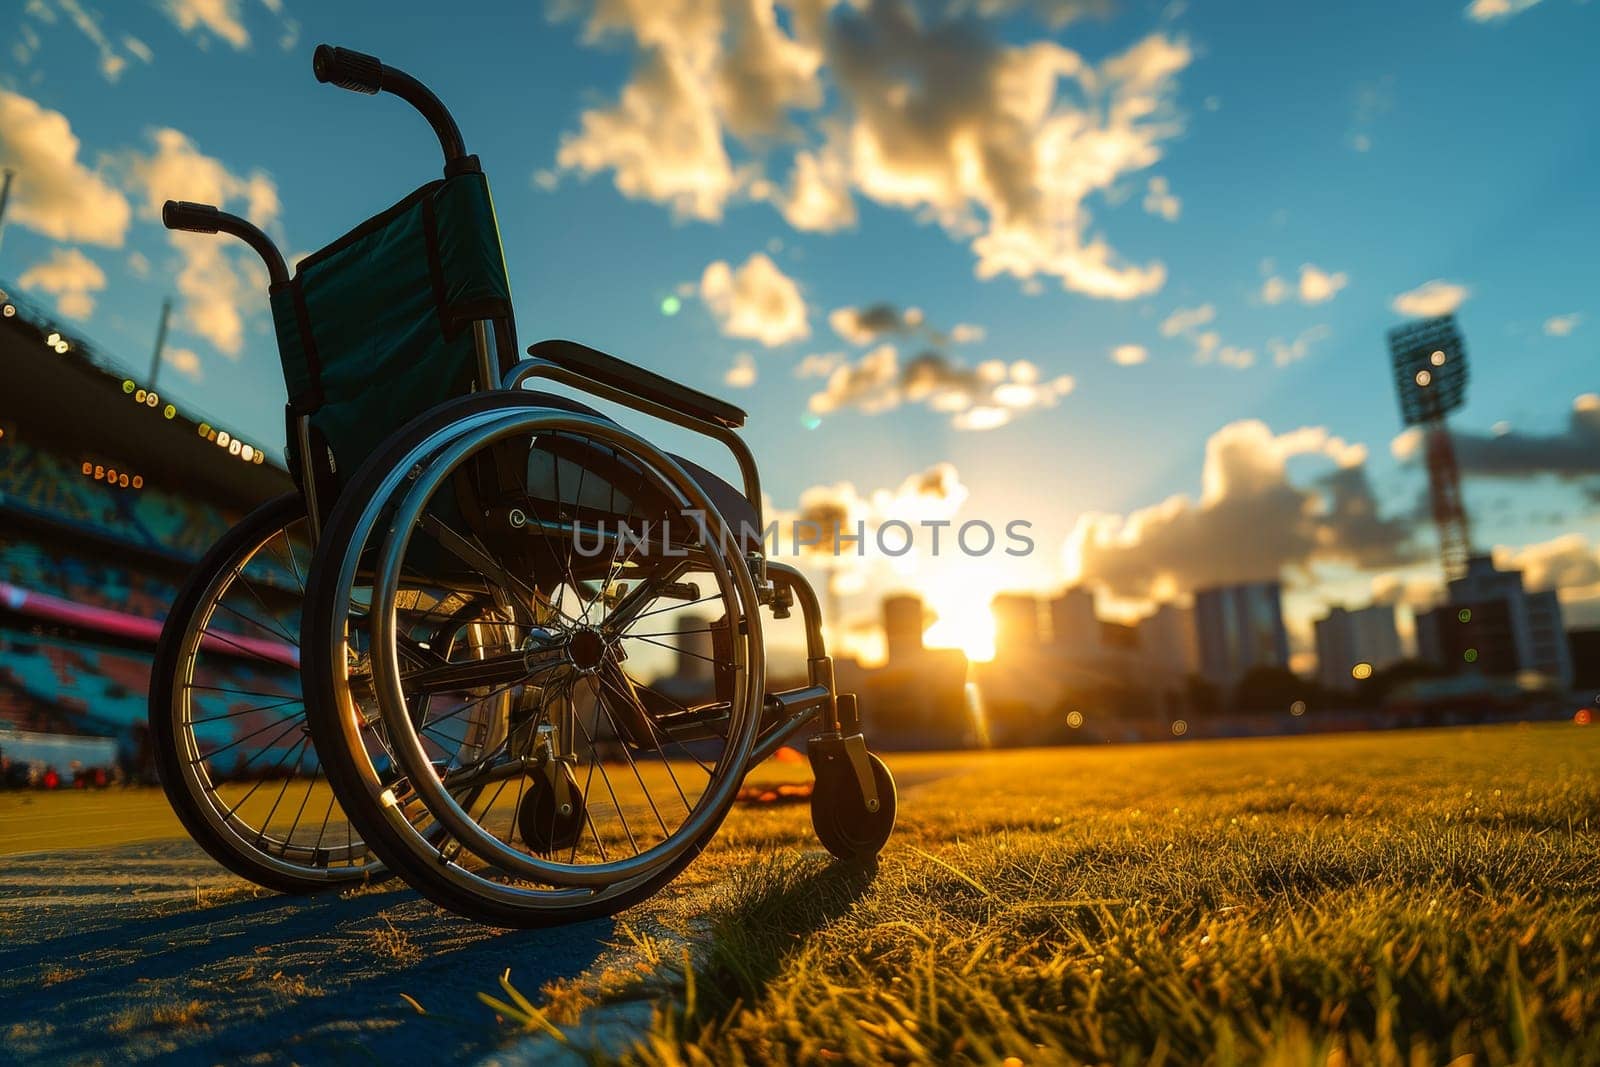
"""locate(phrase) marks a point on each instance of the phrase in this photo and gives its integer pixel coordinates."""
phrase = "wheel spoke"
(632, 765)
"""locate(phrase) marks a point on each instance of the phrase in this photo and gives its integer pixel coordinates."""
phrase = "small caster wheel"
(839, 813)
(552, 814)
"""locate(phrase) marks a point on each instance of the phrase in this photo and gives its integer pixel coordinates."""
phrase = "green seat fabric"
(375, 328)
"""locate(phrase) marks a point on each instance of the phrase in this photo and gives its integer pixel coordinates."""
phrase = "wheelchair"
(496, 642)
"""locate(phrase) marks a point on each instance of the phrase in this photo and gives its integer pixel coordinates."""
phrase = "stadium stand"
(107, 497)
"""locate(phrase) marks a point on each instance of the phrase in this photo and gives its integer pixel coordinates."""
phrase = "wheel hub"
(586, 649)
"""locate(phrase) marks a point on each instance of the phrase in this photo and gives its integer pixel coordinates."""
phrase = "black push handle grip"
(195, 218)
(348, 69)
(204, 218)
(361, 73)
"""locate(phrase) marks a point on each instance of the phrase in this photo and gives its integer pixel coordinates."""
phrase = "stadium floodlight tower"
(1430, 375)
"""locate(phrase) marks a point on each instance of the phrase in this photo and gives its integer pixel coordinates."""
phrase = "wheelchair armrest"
(620, 374)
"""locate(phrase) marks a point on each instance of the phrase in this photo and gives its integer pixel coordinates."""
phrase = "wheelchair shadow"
(745, 930)
(151, 954)
(769, 919)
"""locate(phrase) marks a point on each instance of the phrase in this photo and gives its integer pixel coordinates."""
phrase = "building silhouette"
(1074, 626)
(1492, 626)
(1167, 641)
(1240, 627)
(919, 697)
(1058, 665)
(904, 618)
(1016, 622)
(1348, 638)
(1584, 647)
(696, 652)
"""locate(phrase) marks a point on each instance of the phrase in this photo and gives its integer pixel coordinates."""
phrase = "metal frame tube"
(308, 477)
(819, 665)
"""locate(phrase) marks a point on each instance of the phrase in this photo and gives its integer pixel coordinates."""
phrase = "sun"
(964, 619)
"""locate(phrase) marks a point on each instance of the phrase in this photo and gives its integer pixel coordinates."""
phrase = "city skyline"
(1161, 341)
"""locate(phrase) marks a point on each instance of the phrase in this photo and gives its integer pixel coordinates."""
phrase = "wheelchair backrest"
(376, 328)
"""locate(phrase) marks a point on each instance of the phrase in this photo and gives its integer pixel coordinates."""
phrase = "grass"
(109, 818)
(175, 1016)
(85, 818)
(1391, 898)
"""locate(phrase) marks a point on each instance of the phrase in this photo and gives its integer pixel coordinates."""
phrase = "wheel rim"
(429, 467)
(244, 752)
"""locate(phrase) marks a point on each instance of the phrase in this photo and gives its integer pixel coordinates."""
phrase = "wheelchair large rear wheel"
(228, 722)
(588, 755)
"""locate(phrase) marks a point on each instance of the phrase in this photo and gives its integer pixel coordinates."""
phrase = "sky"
(1121, 271)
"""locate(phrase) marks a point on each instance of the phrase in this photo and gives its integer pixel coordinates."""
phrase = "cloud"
(1129, 355)
(1285, 353)
(1495, 10)
(742, 374)
(1373, 101)
(870, 384)
(1567, 562)
(1251, 522)
(1185, 320)
(1432, 298)
(111, 62)
(706, 71)
(1572, 454)
(1562, 325)
(863, 325)
(1208, 346)
(177, 170)
(54, 194)
(216, 278)
(1229, 356)
(976, 398)
(27, 42)
(818, 196)
(1158, 200)
(868, 323)
(203, 19)
(71, 277)
(983, 138)
(1002, 144)
(1055, 13)
(936, 493)
(214, 285)
(757, 301)
(1316, 286)
(185, 361)
(1418, 592)
(819, 365)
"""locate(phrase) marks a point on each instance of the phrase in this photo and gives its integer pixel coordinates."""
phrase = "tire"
(221, 834)
(337, 743)
(840, 816)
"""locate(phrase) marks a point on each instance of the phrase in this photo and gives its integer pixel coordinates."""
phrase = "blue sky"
(1281, 173)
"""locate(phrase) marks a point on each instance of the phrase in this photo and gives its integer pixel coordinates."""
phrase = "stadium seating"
(125, 549)
(42, 483)
(61, 685)
(28, 564)
(49, 486)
